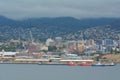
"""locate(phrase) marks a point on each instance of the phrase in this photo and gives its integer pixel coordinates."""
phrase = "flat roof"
(77, 60)
(8, 53)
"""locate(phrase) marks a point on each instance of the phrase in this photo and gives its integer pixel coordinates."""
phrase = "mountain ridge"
(43, 28)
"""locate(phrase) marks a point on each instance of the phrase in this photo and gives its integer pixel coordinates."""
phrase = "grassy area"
(112, 57)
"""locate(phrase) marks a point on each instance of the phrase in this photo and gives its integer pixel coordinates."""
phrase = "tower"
(119, 41)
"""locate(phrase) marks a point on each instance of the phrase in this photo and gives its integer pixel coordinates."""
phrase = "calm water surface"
(51, 72)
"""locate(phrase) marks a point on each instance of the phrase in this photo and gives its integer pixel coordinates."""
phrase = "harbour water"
(57, 72)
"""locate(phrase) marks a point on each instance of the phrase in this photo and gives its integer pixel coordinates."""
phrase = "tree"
(52, 48)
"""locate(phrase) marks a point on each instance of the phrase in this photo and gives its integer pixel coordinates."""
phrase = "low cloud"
(18, 9)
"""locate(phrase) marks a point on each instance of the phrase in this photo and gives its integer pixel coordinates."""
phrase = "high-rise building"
(109, 42)
(58, 41)
(100, 42)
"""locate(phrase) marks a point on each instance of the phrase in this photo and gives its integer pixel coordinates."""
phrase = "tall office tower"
(119, 41)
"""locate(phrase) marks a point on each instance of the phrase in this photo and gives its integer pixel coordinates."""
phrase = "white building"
(48, 41)
(8, 54)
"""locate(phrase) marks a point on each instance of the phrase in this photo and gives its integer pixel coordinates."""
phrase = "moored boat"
(101, 64)
(97, 64)
(71, 64)
(85, 64)
(110, 64)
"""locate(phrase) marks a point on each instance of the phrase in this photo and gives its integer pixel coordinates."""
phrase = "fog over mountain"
(19, 9)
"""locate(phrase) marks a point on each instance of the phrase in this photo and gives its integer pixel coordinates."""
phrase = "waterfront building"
(8, 54)
(31, 49)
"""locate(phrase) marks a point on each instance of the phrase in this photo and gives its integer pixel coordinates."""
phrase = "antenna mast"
(31, 37)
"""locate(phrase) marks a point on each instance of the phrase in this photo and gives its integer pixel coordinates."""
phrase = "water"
(51, 72)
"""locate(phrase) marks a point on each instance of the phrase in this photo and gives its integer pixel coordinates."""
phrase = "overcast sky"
(18, 9)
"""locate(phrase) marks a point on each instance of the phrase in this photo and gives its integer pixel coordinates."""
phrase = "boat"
(97, 64)
(101, 64)
(110, 64)
(71, 63)
(85, 64)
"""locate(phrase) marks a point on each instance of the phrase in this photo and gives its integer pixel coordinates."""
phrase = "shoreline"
(42, 63)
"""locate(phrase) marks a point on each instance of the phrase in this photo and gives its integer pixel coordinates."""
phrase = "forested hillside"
(42, 28)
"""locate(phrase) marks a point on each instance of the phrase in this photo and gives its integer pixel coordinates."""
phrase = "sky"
(18, 9)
